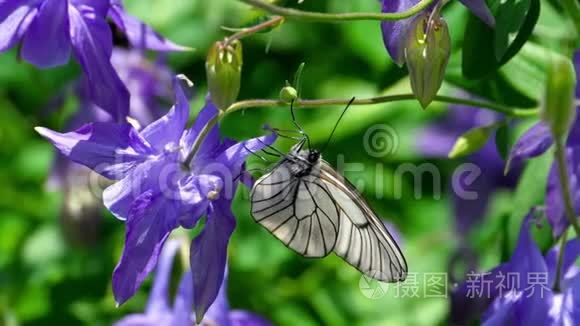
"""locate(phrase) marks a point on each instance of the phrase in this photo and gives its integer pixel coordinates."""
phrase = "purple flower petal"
(501, 312)
(156, 174)
(466, 303)
(208, 256)
(110, 149)
(395, 32)
(236, 155)
(245, 318)
(480, 9)
(212, 140)
(167, 130)
(534, 142)
(219, 311)
(47, 42)
(140, 35)
(527, 257)
(194, 203)
(98, 7)
(571, 254)
(140, 320)
(554, 203)
(92, 46)
(158, 299)
(183, 301)
(15, 18)
(149, 223)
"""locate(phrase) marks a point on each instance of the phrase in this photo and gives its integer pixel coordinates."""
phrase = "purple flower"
(471, 189)
(156, 192)
(158, 311)
(520, 291)
(536, 141)
(149, 84)
(395, 32)
(50, 30)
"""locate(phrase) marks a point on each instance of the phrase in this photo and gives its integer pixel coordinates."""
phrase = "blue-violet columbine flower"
(156, 191)
(536, 141)
(395, 32)
(521, 291)
(49, 30)
(149, 84)
(158, 310)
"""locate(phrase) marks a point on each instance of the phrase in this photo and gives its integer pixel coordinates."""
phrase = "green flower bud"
(224, 71)
(427, 51)
(558, 109)
(288, 94)
(471, 141)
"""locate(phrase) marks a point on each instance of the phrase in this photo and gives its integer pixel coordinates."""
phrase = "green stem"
(273, 22)
(514, 112)
(202, 134)
(557, 281)
(326, 17)
(560, 154)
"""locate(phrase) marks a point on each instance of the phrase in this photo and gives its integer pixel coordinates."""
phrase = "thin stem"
(557, 281)
(273, 22)
(326, 17)
(560, 154)
(514, 112)
(202, 134)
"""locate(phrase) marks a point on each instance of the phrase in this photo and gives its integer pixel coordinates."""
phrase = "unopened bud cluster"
(224, 70)
(559, 110)
(427, 51)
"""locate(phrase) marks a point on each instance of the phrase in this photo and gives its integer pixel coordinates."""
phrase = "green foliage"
(44, 280)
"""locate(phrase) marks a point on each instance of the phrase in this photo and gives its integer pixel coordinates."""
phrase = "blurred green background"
(44, 280)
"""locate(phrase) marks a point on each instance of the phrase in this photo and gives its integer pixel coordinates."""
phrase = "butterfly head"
(313, 156)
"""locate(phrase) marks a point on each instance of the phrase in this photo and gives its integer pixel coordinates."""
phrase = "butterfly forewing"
(320, 212)
(299, 213)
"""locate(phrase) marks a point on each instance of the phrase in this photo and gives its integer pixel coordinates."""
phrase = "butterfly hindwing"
(299, 213)
(319, 212)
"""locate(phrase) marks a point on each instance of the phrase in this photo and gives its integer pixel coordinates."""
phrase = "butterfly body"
(313, 210)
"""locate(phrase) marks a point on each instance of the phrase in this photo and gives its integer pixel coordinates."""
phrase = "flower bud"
(427, 51)
(559, 111)
(288, 94)
(224, 71)
(471, 141)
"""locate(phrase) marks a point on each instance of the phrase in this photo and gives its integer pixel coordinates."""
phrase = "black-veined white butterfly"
(314, 210)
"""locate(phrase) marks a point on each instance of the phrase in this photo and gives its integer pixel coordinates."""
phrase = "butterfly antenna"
(295, 122)
(336, 125)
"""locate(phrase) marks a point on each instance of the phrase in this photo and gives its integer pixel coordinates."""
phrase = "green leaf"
(529, 193)
(487, 49)
(478, 55)
(510, 18)
(298, 79)
(531, 19)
